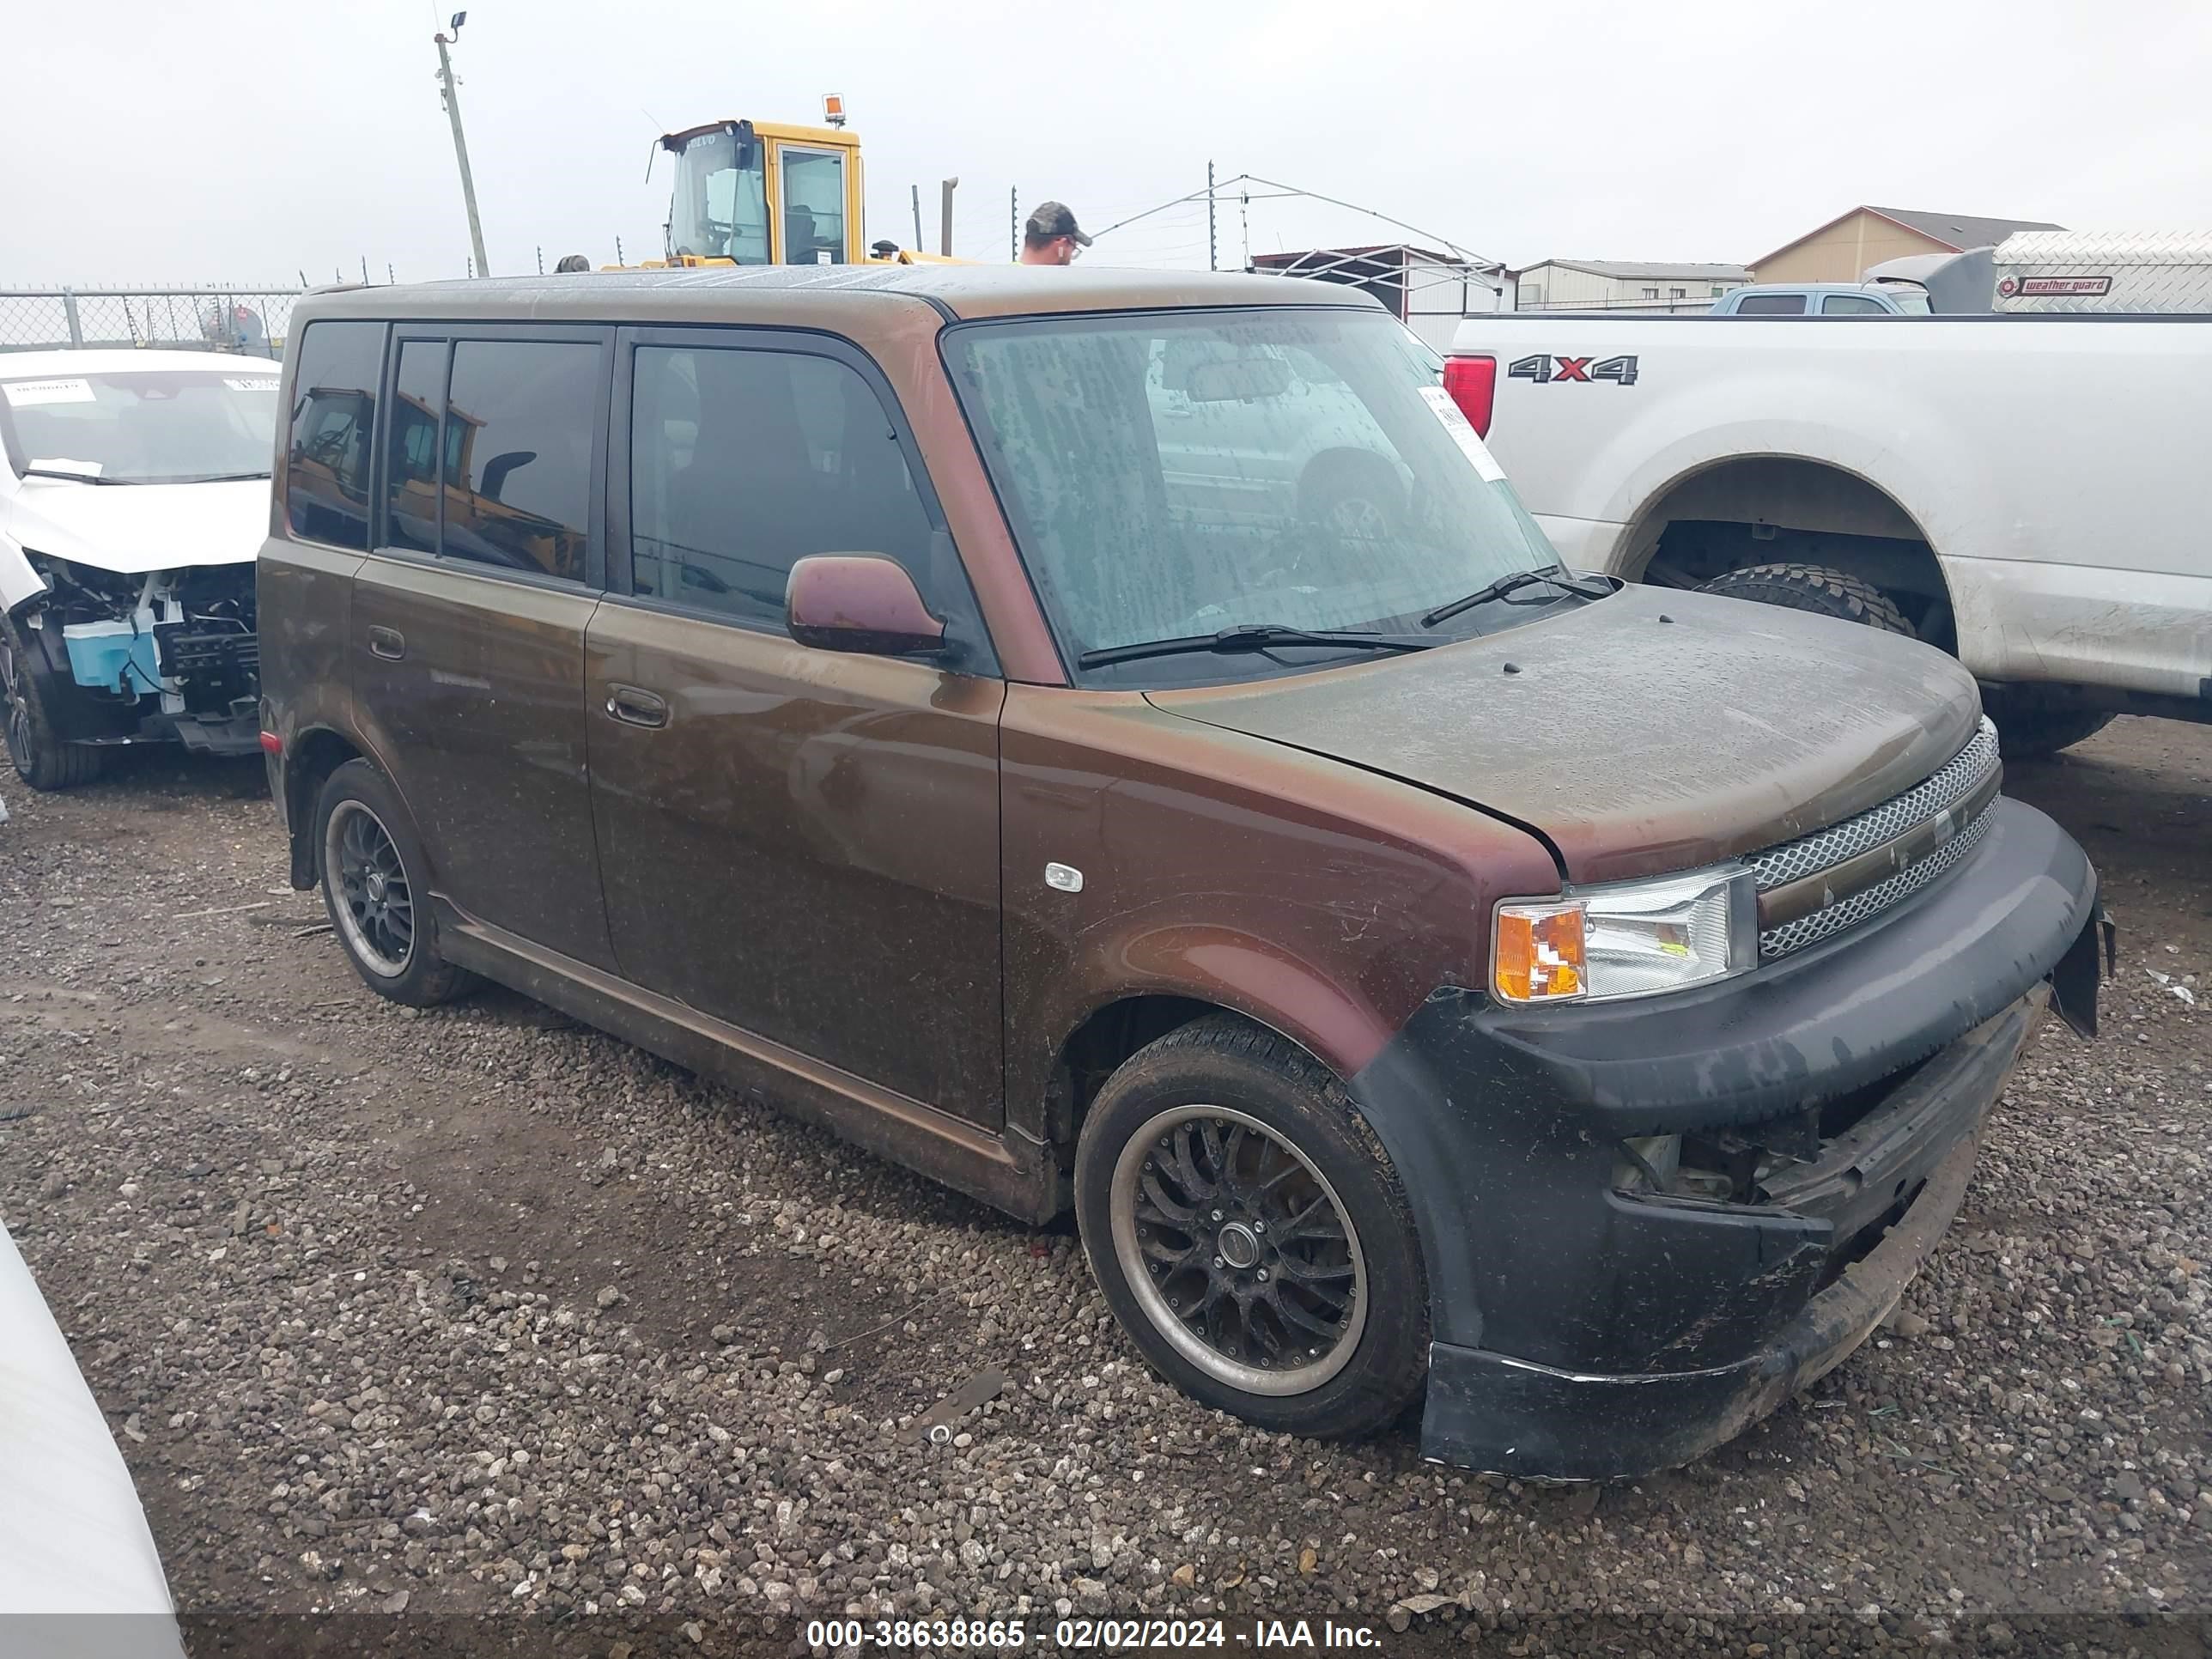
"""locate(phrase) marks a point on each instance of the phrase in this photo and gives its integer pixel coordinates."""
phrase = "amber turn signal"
(1540, 952)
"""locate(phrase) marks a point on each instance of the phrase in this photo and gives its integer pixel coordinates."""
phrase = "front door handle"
(388, 643)
(633, 707)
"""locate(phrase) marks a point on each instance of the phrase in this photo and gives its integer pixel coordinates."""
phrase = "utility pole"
(1213, 261)
(461, 144)
(1014, 224)
(944, 218)
(917, 219)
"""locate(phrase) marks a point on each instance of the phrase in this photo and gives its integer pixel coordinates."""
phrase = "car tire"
(1304, 1309)
(42, 760)
(1813, 587)
(376, 891)
(2027, 732)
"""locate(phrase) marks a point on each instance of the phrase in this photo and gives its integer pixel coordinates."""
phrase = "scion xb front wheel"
(1250, 1235)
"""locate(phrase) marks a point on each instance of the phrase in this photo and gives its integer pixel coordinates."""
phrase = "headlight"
(1631, 939)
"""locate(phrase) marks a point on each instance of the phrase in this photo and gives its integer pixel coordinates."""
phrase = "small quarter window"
(333, 415)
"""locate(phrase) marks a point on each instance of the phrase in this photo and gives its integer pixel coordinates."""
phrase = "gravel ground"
(450, 1319)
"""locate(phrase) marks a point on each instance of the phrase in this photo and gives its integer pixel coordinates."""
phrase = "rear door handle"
(634, 706)
(387, 642)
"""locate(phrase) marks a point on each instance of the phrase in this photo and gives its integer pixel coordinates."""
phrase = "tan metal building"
(1841, 250)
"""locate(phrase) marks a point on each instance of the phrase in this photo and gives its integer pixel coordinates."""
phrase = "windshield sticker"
(28, 394)
(1463, 433)
(251, 386)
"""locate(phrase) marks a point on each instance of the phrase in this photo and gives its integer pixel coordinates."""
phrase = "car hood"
(134, 528)
(1653, 731)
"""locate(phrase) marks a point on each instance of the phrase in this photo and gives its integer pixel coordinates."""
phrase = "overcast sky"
(144, 141)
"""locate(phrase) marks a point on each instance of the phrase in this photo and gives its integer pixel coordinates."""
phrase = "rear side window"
(1852, 305)
(333, 414)
(419, 398)
(520, 417)
(1770, 305)
(743, 462)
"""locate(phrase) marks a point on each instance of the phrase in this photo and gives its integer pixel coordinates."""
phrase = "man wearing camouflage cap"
(1052, 237)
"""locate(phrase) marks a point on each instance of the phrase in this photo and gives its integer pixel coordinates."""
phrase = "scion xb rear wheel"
(376, 904)
(373, 889)
(1250, 1235)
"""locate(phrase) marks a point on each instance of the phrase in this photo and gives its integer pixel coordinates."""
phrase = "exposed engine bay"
(169, 652)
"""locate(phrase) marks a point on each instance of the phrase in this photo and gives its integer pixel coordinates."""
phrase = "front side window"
(719, 210)
(813, 208)
(143, 427)
(743, 462)
(519, 420)
(1175, 474)
(333, 417)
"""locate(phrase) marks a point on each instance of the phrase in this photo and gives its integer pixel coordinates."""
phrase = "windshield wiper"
(1251, 636)
(221, 477)
(74, 478)
(1514, 584)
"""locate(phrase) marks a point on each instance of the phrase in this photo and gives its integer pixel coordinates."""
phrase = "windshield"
(164, 426)
(1176, 474)
(720, 210)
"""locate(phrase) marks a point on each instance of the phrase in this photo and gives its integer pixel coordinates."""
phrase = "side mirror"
(859, 602)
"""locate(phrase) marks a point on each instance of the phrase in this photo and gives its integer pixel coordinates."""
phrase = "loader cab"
(752, 193)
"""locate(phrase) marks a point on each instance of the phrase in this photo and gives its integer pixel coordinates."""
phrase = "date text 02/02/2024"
(1089, 1635)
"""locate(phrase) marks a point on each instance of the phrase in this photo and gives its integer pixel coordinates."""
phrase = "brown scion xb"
(1114, 741)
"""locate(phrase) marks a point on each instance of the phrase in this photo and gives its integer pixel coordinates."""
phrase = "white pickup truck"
(2031, 494)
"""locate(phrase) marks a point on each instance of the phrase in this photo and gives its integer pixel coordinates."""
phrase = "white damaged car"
(134, 501)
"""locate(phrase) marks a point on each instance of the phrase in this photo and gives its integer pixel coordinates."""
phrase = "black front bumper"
(1584, 1330)
(1493, 1411)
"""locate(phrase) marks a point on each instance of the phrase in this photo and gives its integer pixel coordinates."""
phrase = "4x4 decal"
(1546, 369)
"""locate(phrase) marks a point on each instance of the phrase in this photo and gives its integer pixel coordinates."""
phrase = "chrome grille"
(1873, 901)
(1825, 849)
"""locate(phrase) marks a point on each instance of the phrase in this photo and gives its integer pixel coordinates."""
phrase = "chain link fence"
(249, 320)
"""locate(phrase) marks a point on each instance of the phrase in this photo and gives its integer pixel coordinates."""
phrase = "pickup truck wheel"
(40, 759)
(1354, 497)
(2027, 733)
(1250, 1235)
(375, 891)
(1816, 588)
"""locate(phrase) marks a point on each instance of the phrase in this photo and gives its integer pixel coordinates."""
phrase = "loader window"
(721, 206)
(813, 208)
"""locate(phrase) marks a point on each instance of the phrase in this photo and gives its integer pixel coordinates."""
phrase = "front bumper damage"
(1587, 1324)
(171, 654)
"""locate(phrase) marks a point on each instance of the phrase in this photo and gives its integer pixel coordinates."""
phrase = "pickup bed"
(2021, 492)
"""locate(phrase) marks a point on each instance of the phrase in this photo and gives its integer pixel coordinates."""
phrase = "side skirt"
(1010, 1172)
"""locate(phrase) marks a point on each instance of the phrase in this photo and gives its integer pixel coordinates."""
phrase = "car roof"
(832, 297)
(47, 365)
